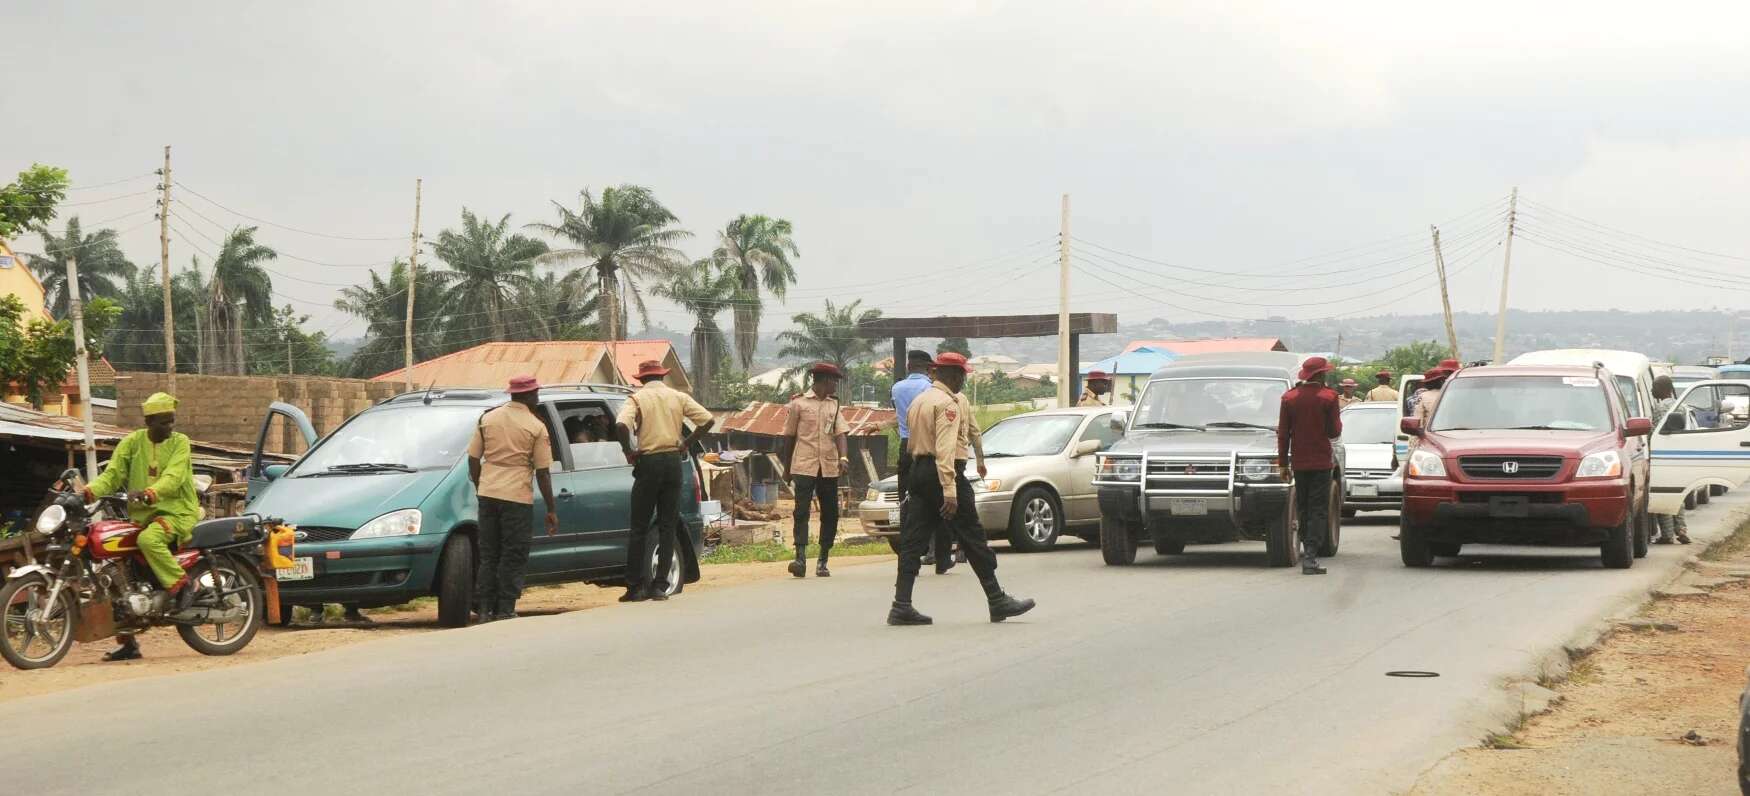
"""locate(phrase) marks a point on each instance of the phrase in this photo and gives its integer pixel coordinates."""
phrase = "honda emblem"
(1510, 467)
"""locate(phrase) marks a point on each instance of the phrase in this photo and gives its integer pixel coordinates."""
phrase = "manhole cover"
(1411, 673)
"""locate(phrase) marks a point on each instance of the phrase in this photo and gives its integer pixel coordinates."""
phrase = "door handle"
(1744, 444)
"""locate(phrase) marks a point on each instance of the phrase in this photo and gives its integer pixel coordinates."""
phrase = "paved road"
(1201, 673)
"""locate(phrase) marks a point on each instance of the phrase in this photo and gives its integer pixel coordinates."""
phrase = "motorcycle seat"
(219, 531)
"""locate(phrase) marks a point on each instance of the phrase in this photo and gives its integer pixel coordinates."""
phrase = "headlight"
(1257, 469)
(396, 523)
(989, 485)
(873, 495)
(1427, 464)
(1603, 464)
(51, 519)
(1113, 469)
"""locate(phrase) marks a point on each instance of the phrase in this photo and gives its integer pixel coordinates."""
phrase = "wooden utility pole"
(76, 307)
(1065, 368)
(290, 370)
(1506, 267)
(164, 274)
(1445, 299)
(412, 279)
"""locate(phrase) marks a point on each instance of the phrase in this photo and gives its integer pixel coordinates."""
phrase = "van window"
(1631, 398)
(588, 433)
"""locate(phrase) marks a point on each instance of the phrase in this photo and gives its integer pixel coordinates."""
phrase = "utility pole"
(412, 279)
(164, 273)
(1445, 299)
(1065, 368)
(1506, 267)
(290, 371)
(76, 306)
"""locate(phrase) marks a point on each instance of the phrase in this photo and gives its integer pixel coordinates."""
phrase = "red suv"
(1522, 454)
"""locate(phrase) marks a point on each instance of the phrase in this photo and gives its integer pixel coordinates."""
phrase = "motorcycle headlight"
(1603, 464)
(1427, 464)
(396, 523)
(1257, 469)
(51, 519)
(1114, 469)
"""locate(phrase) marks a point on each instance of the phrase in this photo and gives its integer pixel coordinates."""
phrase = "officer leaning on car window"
(656, 413)
(510, 448)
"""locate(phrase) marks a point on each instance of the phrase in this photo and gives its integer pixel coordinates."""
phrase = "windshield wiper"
(1240, 424)
(1537, 428)
(371, 467)
(1167, 425)
(995, 455)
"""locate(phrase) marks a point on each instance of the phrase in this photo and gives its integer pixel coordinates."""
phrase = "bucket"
(765, 493)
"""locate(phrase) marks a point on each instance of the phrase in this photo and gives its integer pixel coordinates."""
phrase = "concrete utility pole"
(76, 307)
(1445, 299)
(164, 273)
(1506, 267)
(412, 278)
(1065, 368)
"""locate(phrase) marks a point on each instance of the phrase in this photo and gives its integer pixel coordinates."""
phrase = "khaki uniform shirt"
(1345, 400)
(816, 423)
(655, 413)
(511, 444)
(1090, 399)
(1425, 405)
(968, 430)
(934, 421)
(1382, 393)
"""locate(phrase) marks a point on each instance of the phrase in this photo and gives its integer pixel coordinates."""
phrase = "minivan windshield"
(1370, 426)
(1034, 435)
(397, 438)
(1199, 403)
(1559, 403)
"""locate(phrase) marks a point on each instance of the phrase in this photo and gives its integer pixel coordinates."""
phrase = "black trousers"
(505, 535)
(1312, 503)
(920, 526)
(808, 489)
(656, 498)
(942, 543)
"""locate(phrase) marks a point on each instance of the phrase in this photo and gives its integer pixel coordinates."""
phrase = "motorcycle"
(93, 582)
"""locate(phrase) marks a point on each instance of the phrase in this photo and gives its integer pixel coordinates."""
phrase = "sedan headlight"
(1257, 469)
(1427, 464)
(1603, 464)
(396, 523)
(51, 519)
(1114, 469)
(988, 485)
(872, 495)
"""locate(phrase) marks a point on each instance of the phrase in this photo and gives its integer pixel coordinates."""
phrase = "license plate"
(1510, 507)
(1188, 507)
(893, 516)
(1364, 490)
(301, 569)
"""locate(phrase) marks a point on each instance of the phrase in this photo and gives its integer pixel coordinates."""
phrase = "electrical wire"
(182, 186)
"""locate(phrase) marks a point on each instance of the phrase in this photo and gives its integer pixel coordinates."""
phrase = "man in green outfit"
(153, 466)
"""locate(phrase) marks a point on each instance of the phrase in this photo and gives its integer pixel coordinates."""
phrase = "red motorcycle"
(93, 583)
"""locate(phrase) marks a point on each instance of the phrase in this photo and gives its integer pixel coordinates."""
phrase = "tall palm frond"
(828, 337)
(488, 266)
(757, 250)
(240, 295)
(627, 237)
(703, 289)
(103, 269)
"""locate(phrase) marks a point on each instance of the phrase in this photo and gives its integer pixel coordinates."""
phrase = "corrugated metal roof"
(492, 365)
(21, 422)
(1217, 346)
(768, 419)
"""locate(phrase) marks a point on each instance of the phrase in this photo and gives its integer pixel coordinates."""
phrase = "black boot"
(128, 651)
(634, 594)
(1309, 562)
(1003, 606)
(820, 570)
(799, 567)
(902, 614)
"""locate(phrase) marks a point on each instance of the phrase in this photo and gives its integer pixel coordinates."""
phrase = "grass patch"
(1730, 547)
(774, 551)
(1583, 671)
(1502, 741)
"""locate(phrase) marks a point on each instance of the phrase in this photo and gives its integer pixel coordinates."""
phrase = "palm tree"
(757, 250)
(628, 236)
(136, 341)
(704, 290)
(828, 337)
(103, 269)
(555, 308)
(382, 304)
(240, 295)
(488, 268)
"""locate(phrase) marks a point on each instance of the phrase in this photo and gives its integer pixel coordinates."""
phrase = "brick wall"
(229, 409)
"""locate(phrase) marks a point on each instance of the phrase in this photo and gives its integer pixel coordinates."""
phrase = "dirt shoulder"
(1626, 713)
(166, 653)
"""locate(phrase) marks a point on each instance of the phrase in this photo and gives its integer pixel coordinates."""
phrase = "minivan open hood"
(346, 501)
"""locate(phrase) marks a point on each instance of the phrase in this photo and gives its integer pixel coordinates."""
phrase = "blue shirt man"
(918, 364)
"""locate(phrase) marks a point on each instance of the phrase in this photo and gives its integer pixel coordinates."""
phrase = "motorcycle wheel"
(36, 644)
(230, 637)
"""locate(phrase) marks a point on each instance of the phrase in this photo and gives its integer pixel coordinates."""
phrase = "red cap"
(950, 359)
(1348, 383)
(649, 368)
(1449, 365)
(826, 369)
(522, 384)
(1098, 375)
(1384, 374)
(1313, 367)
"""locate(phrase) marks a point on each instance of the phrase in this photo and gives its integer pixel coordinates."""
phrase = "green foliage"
(755, 250)
(998, 388)
(382, 304)
(27, 204)
(768, 552)
(829, 336)
(488, 268)
(239, 296)
(731, 390)
(284, 347)
(103, 269)
(957, 345)
(36, 355)
(1417, 357)
(704, 290)
(627, 236)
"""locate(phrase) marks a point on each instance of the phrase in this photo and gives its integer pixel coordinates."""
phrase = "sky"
(1224, 160)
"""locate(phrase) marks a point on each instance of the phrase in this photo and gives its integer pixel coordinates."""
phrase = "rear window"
(1559, 403)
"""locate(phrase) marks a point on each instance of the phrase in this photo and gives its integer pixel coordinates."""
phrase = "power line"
(1625, 233)
(336, 236)
(78, 187)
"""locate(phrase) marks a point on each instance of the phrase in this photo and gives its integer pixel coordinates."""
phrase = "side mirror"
(1411, 426)
(1638, 427)
(1084, 448)
(202, 483)
(274, 471)
(1119, 421)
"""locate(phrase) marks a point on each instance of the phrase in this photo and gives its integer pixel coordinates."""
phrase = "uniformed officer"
(1099, 385)
(1307, 423)
(655, 413)
(1348, 395)
(935, 493)
(510, 448)
(1384, 391)
(813, 449)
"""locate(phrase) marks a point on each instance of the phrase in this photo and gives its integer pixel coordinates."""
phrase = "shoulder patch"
(951, 414)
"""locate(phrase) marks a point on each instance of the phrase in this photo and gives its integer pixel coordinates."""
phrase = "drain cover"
(1411, 673)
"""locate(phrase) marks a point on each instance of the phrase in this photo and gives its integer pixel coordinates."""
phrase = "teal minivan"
(385, 512)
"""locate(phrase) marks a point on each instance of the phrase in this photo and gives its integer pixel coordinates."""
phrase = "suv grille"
(318, 533)
(1511, 467)
(1168, 467)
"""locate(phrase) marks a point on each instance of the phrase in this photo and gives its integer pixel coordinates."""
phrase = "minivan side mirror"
(1638, 427)
(1118, 421)
(274, 471)
(1411, 426)
(1084, 448)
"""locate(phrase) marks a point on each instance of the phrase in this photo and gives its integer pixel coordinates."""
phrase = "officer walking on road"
(906, 390)
(1310, 419)
(935, 494)
(510, 448)
(654, 414)
(814, 451)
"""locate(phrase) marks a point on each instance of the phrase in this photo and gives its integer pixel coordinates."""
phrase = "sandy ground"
(167, 654)
(1626, 709)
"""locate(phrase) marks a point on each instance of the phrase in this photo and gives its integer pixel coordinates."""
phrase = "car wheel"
(1446, 549)
(1618, 550)
(1035, 520)
(1689, 502)
(1334, 533)
(674, 576)
(1716, 489)
(1704, 495)
(455, 581)
(1643, 531)
(1165, 543)
(1282, 538)
(1413, 544)
(1117, 545)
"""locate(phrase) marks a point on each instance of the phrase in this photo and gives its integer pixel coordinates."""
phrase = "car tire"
(1117, 545)
(1333, 534)
(1035, 520)
(1716, 489)
(1413, 545)
(1704, 495)
(1643, 532)
(1618, 550)
(1165, 543)
(455, 582)
(1282, 536)
(1444, 549)
(1689, 502)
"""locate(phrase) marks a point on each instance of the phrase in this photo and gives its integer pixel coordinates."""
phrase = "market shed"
(900, 330)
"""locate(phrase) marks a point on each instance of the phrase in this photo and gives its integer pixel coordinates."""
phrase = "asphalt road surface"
(1200, 673)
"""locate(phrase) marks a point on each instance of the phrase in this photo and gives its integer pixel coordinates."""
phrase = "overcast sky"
(921, 148)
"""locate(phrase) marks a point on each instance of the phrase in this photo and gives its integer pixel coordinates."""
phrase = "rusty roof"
(768, 419)
(22, 422)
(493, 365)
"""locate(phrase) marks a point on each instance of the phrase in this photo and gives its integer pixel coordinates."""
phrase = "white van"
(1634, 372)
